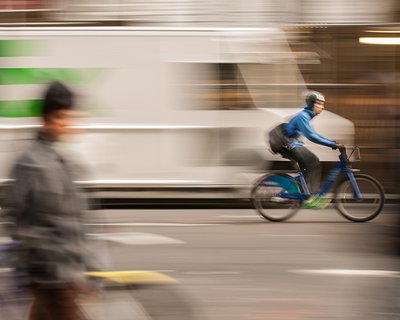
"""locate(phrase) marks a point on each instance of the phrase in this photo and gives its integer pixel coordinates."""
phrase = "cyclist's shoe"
(316, 202)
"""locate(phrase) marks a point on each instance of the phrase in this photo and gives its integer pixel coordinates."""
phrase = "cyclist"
(294, 149)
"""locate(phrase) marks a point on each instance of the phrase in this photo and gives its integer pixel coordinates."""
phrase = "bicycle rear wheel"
(265, 200)
(360, 210)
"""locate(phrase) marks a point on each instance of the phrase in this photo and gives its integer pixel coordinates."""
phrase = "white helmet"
(312, 97)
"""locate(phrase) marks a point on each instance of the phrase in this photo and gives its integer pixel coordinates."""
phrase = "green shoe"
(316, 202)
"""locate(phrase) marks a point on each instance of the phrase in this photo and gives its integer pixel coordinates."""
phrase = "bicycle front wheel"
(268, 204)
(364, 209)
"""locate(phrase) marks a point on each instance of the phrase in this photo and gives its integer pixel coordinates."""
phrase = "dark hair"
(57, 97)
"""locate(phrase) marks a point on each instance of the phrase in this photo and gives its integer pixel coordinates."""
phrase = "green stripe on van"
(21, 48)
(20, 108)
(12, 76)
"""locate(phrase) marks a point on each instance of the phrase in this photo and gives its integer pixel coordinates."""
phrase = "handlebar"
(342, 150)
(355, 153)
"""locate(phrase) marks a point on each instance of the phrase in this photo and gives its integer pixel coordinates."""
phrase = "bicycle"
(117, 295)
(357, 197)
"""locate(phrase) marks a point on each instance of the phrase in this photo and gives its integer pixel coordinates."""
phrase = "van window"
(237, 86)
(211, 86)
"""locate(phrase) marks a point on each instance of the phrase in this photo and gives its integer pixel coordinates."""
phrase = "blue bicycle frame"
(342, 166)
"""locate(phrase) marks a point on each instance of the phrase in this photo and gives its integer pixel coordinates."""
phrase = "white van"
(171, 109)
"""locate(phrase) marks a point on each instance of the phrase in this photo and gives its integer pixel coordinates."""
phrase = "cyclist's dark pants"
(309, 163)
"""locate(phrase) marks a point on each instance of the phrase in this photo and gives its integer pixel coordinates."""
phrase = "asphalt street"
(235, 265)
(232, 264)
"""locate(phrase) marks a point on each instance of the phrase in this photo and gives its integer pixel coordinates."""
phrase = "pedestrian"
(45, 208)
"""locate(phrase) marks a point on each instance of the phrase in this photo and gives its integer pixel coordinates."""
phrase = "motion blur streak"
(179, 96)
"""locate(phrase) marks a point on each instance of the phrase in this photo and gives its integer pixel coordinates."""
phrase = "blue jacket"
(299, 126)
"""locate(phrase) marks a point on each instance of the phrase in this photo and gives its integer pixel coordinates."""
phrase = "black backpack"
(277, 139)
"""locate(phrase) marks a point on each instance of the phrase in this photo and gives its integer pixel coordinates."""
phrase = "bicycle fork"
(353, 183)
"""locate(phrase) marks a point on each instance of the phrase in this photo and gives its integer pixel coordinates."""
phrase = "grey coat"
(45, 209)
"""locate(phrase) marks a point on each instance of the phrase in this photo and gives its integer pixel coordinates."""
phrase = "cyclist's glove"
(337, 146)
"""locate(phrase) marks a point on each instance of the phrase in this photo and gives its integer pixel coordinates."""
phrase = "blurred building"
(361, 82)
(237, 13)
